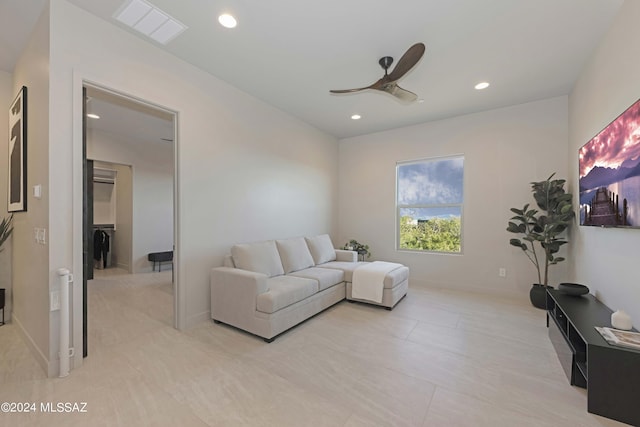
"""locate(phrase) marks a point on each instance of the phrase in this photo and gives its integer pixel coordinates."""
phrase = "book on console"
(620, 338)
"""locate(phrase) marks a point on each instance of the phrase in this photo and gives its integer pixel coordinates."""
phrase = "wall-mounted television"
(610, 173)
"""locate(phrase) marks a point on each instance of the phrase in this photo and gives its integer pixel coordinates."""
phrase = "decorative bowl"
(574, 289)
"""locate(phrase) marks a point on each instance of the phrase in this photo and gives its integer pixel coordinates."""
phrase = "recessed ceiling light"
(93, 116)
(356, 117)
(227, 21)
(482, 85)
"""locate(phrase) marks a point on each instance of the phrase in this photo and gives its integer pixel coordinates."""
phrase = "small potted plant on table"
(354, 245)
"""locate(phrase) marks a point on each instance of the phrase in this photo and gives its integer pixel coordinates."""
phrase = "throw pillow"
(261, 257)
(321, 248)
(294, 254)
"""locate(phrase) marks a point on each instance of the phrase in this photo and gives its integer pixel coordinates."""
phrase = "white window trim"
(443, 205)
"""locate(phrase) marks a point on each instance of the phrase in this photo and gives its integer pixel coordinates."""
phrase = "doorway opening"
(129, 212)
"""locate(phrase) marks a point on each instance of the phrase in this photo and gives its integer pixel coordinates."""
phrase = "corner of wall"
(7, 249)
(603, 258)
(30, 260)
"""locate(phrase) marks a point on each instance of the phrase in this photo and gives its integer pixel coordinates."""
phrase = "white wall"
(6, 97)
(30, 263)
(605, 259)
(123, 245)
(152, 163)
(504, 150)
(104, 203)
(246, 171)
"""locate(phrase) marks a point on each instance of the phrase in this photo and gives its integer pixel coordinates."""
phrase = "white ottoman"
(396, 282)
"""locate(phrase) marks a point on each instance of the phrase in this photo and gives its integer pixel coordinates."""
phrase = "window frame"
(427, 206)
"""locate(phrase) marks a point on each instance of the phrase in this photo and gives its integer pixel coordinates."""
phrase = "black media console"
(610, 374)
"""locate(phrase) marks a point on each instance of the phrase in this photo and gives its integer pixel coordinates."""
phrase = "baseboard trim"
(42, 360)
(512, 295)
(198, 318)
(123, 266)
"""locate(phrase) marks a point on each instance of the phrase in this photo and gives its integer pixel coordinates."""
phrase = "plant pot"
(538, 296)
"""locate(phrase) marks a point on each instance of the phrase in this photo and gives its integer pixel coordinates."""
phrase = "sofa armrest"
(234, 292)
(346, 256)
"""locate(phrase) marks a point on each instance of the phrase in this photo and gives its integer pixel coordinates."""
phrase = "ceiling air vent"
(149, 20)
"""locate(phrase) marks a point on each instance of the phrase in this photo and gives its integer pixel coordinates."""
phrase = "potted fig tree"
(541, 231)
(5, 229)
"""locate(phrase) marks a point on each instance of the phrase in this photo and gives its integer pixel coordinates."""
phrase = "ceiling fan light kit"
(389, 82)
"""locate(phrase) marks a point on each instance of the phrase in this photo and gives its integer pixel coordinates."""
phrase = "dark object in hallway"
(101, 246)
(2, 291)
(160, 257)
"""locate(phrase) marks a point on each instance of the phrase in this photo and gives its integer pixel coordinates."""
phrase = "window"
(429, 204)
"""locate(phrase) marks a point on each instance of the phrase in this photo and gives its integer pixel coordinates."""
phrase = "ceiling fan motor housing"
(385, 62)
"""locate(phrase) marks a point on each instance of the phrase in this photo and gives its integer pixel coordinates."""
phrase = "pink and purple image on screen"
(610, 174)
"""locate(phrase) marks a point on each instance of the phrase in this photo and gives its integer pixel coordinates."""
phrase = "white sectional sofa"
(268, 287)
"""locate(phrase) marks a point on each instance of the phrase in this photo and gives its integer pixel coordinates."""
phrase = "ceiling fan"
(389, 82)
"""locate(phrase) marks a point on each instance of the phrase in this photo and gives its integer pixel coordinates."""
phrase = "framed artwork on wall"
(16, 194)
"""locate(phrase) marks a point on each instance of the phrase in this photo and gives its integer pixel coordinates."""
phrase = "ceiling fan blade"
(376, 85)
(398, 92)
(348, 90)
(407, 62)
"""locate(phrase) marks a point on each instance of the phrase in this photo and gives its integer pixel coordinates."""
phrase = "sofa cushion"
(284, 291)
(294, 254)
(228, 261)
(261, 257)
(321, 248)
(326, 277)
(346, 267)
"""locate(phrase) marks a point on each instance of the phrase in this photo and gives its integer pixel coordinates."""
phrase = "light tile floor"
(440, 358)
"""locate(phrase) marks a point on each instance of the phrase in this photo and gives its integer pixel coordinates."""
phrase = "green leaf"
(515, 242)
(545, 225)
(566, 209)
(6, 228)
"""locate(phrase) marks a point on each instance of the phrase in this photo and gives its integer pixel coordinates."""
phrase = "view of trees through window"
(429, 204)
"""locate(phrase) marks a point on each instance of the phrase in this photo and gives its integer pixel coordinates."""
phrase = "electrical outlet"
(502, 272)
(40, 235)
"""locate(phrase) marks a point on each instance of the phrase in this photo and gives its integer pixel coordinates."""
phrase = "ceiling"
(289, 53)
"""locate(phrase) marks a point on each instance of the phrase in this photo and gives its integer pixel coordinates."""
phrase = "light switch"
(37, 191)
